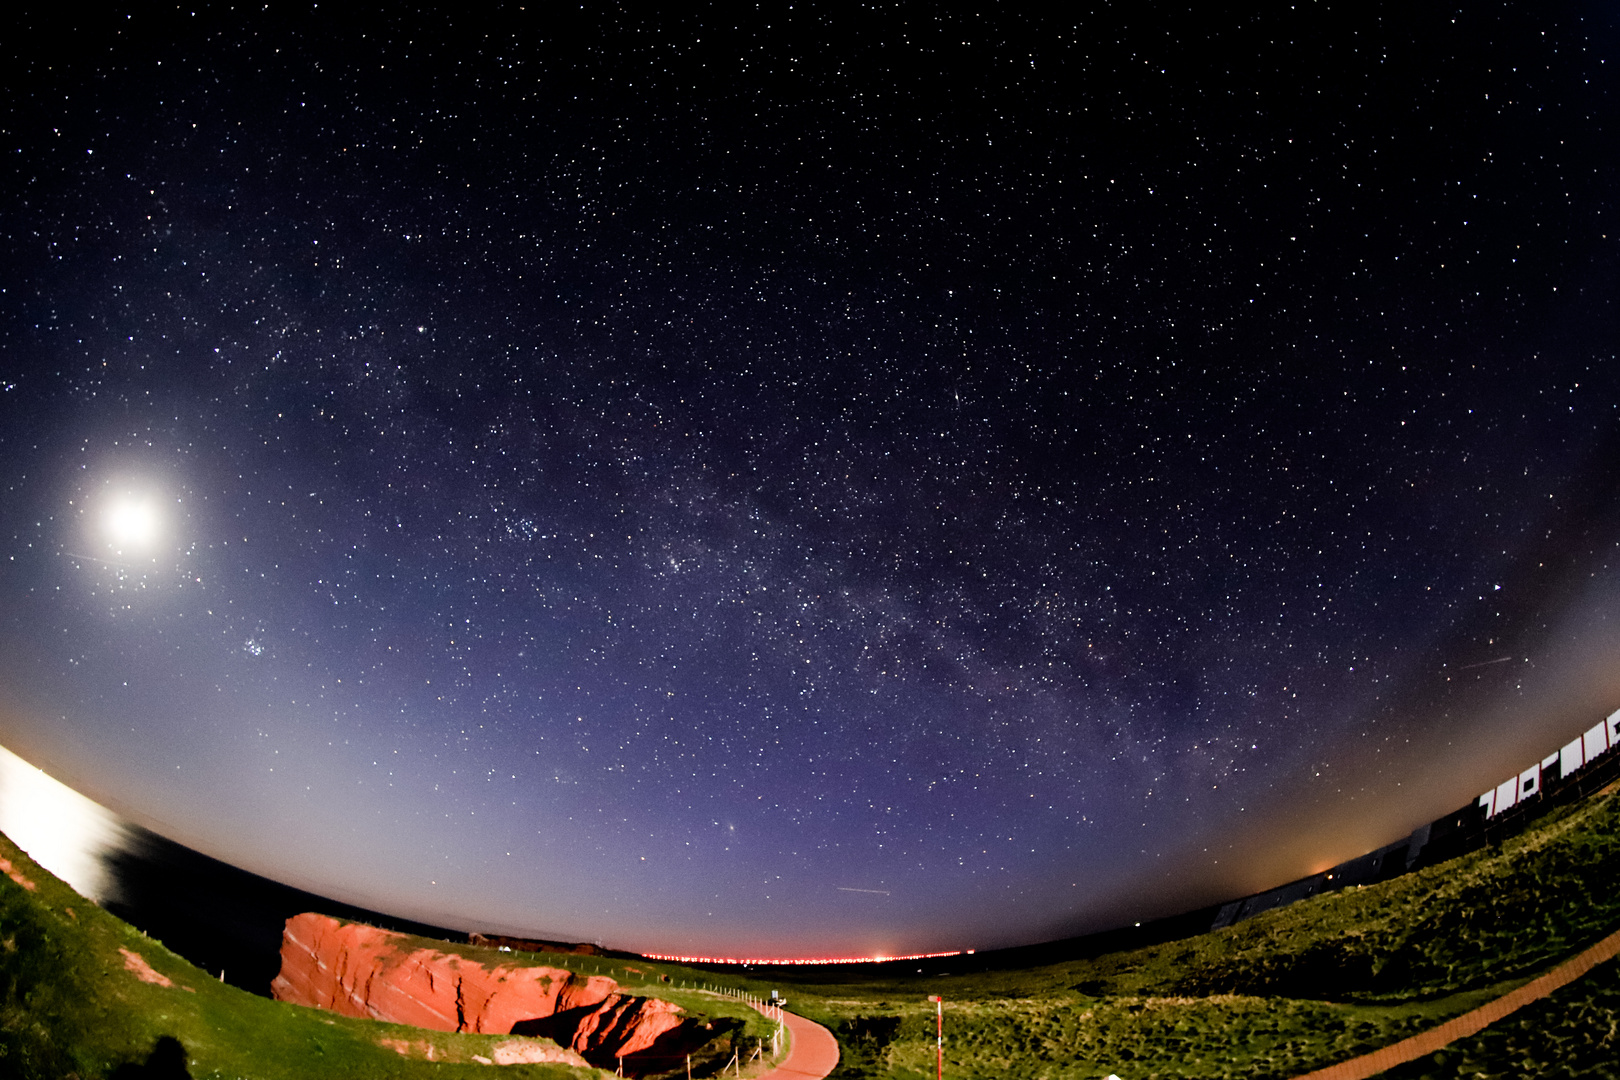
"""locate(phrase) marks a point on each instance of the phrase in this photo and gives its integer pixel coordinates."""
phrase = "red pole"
(939, 1030)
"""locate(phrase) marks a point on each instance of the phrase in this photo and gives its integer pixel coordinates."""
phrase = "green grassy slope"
(1573, 1034)
(1287, 992)
(70, 1007)
(1274, 997)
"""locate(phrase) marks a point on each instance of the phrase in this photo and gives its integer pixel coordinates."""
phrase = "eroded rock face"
(624, 1025)
(362, 971)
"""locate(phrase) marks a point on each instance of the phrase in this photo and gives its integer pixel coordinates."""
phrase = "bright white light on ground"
(60, 829)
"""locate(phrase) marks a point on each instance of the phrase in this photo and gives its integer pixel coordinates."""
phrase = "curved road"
(812, 1054)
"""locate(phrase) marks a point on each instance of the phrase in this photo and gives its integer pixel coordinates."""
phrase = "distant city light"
(804, 960)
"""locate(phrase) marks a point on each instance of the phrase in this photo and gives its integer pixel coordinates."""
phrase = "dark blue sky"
(805, 483)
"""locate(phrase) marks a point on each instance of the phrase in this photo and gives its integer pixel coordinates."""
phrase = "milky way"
(802, 483)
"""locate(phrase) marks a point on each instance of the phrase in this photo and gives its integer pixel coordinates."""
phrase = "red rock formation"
(625, 1025)
(134, 961)
(362, 971)
(16, 875)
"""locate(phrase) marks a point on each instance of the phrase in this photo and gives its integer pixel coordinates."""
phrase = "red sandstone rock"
(16, 875)
(625, 1025)
(134, 961)
(362, 971)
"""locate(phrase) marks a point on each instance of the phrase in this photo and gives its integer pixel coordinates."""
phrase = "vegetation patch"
(84, 995)
(1573, 1033)
(1289, 991)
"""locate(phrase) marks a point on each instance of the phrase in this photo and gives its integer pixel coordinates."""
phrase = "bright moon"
(132, 524)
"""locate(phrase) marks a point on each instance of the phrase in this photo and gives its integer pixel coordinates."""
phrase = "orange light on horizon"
(779, 961)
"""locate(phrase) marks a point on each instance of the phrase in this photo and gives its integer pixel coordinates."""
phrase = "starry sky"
(804, 483)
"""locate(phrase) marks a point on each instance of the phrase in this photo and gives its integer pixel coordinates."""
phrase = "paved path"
(812, 1054)
(1469, 1023)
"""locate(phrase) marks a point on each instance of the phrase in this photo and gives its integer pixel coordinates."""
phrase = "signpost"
(939, 1027)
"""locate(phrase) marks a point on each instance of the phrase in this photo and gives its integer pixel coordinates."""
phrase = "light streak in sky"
(1486, 663)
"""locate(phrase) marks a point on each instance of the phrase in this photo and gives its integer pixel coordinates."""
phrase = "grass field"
(70, 1006)
(1574, 1034)
(1289, 991)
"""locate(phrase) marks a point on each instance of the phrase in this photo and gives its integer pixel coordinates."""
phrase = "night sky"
(806, 483)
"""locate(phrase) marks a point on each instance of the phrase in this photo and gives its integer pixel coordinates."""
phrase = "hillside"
(1279, 995)
(1289, 991)
(83, 994)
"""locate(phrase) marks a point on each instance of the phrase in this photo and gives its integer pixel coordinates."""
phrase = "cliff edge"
(362, 971)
